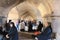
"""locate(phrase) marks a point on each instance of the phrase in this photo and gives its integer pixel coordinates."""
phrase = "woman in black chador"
(12, 34)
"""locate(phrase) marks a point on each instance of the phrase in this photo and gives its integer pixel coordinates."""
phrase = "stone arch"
(27, 7)
(6, 6)
(38, 11)
(30, 5)
(45, 8)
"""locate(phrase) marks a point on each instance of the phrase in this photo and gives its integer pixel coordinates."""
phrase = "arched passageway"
(40, 9)
(35, 9)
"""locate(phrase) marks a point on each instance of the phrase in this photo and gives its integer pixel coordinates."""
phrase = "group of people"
(40, 30)
(10, 32)
(29, 26)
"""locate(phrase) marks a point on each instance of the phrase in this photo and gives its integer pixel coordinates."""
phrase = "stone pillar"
(56, 18)
(3, 14)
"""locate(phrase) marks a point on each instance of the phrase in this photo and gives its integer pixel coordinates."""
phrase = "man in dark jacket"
(30, 26)
(40, 26)
(46, 34)
(7, 25)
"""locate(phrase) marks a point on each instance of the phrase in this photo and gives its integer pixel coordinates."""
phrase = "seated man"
(46, 33)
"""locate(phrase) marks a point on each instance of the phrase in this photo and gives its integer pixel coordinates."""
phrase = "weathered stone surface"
(7, 3)
(6, 6)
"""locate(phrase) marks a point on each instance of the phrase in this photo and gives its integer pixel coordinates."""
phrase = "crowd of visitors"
(40, 30)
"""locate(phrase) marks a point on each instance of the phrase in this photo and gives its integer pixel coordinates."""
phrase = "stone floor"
(24, 38)
(28, 36)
